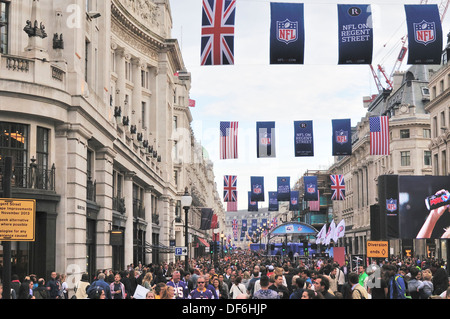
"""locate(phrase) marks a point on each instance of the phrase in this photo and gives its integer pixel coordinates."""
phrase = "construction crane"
(443, 7)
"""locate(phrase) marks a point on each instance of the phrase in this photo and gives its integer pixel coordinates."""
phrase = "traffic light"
(305, 248)
(283, 246)
(211, 247)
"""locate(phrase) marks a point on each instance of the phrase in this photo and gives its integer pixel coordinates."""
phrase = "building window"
(426, 133)
(436, 164)
(42, 141)
(144, 116)
(404, 133)
(427, 157)
(86, 60)
(444, 163)
(435, 127)
(14, 143)
(442, 119)
(175, 123)
(405, 158)
(4, 13)
(145, 83)
(175, 177)
(128, 71)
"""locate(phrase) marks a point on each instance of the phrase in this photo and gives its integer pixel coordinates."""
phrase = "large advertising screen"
(424, 207)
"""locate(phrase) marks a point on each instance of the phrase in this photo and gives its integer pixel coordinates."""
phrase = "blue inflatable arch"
(294, 228)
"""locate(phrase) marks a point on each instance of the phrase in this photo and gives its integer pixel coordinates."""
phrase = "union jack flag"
(217, 45)
(338, 187)
(229, 188)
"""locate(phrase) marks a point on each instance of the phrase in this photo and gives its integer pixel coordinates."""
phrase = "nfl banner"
(252, 205)
(206, 218)
(355, 34)
(293, 204)
(304, 142)
(257, 188)
(287, 33)
(244, 225)
(311, 191)
(265, 139)
(342, 145)
(283, 189)
(254, 224)
(424, 34)
(217, 42)
(273, 202)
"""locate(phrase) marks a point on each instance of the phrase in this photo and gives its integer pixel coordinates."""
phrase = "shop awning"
(203, 242)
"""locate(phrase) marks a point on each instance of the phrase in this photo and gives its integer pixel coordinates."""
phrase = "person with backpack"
(397, 285)
(100, 282)
(358, 291)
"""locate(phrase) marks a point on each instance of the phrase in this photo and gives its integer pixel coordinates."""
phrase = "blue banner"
(342, 139)
(254, 224)
(265, 139)
(273, 202)
(293, 204)
(244, 225)
(355, 34)
(287, 33)
(424, 34)
(257, 188)
(252, 205)
(310, 183)
(304, 142)
(284, 188)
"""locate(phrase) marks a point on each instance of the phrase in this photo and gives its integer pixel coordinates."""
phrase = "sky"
(252, 90)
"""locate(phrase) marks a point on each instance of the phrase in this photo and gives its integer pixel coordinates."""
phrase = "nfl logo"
(294, 201)
(257, 189)
(287, 31)
(311, 188)
(341, 137)
(391, 205)
(424, 32)
(265, 140)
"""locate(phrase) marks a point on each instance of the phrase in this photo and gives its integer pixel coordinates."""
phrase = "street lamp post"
(186, 201)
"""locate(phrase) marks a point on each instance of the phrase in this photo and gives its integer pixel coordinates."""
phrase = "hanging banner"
(257, 188)
(355, 34)
(287, 33)
(244, 225)
(273, 202)
(293, 204)
(342, 144)
(311, 191)
(206, 219)
(265, 139)
(252, 205)
(424, 34)
(283, 188)
(303, 139)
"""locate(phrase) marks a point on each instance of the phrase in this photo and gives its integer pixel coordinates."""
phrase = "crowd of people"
(250, 276)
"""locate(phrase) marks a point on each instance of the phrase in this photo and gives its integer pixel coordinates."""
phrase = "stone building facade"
(94, 111)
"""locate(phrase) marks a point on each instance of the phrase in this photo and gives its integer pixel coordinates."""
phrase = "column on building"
(148, 219)
(164, 221)
(128, 237)
(137, 94)
(121, 56)
(71, 144)
(104, 181)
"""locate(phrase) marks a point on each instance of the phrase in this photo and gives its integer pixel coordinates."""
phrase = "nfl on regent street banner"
(355, 34)
(252, 205)
(293, 204)
(304, 142)
(287, 33)
(311, 193)
(273, 202)
(424, 34)
(283, 188)
(265, 139)
(257, 188)
(342, 137)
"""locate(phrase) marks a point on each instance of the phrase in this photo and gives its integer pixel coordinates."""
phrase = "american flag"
(229, 188)
(379, 135)
(314, 206)
(338, 187)
(217, 45)
(228, 140)
(231, 206)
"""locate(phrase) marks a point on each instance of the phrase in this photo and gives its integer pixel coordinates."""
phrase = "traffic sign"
(378, 249)
(180, 251)
(17, 219)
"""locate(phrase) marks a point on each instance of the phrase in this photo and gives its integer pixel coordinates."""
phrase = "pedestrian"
(150, 295)
(100, 282)
(311, 294)
(322, 285)
(298, 288)
(180, 287)
(396, 283)
(159, 290)
(363, 276)
(26, 290)
(440, 281)
(64, 287)
(426, 288)
(414, 282)
(225, 287)
(147, 281)
(265, 292)
(358, 291)
(54, 286)
(237, 288)
(279, 287)
(117, 288)
(15, 285)
(201, 292)
(168, 293)
(41, 291)
(81, 287)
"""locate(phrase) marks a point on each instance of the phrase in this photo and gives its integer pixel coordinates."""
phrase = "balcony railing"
(119, 204)
(91, 192)
(138, 209)
(32, 177)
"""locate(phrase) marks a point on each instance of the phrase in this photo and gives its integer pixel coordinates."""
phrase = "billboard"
(414, 207)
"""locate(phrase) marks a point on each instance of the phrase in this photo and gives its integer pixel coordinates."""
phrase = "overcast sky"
(251, 90)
